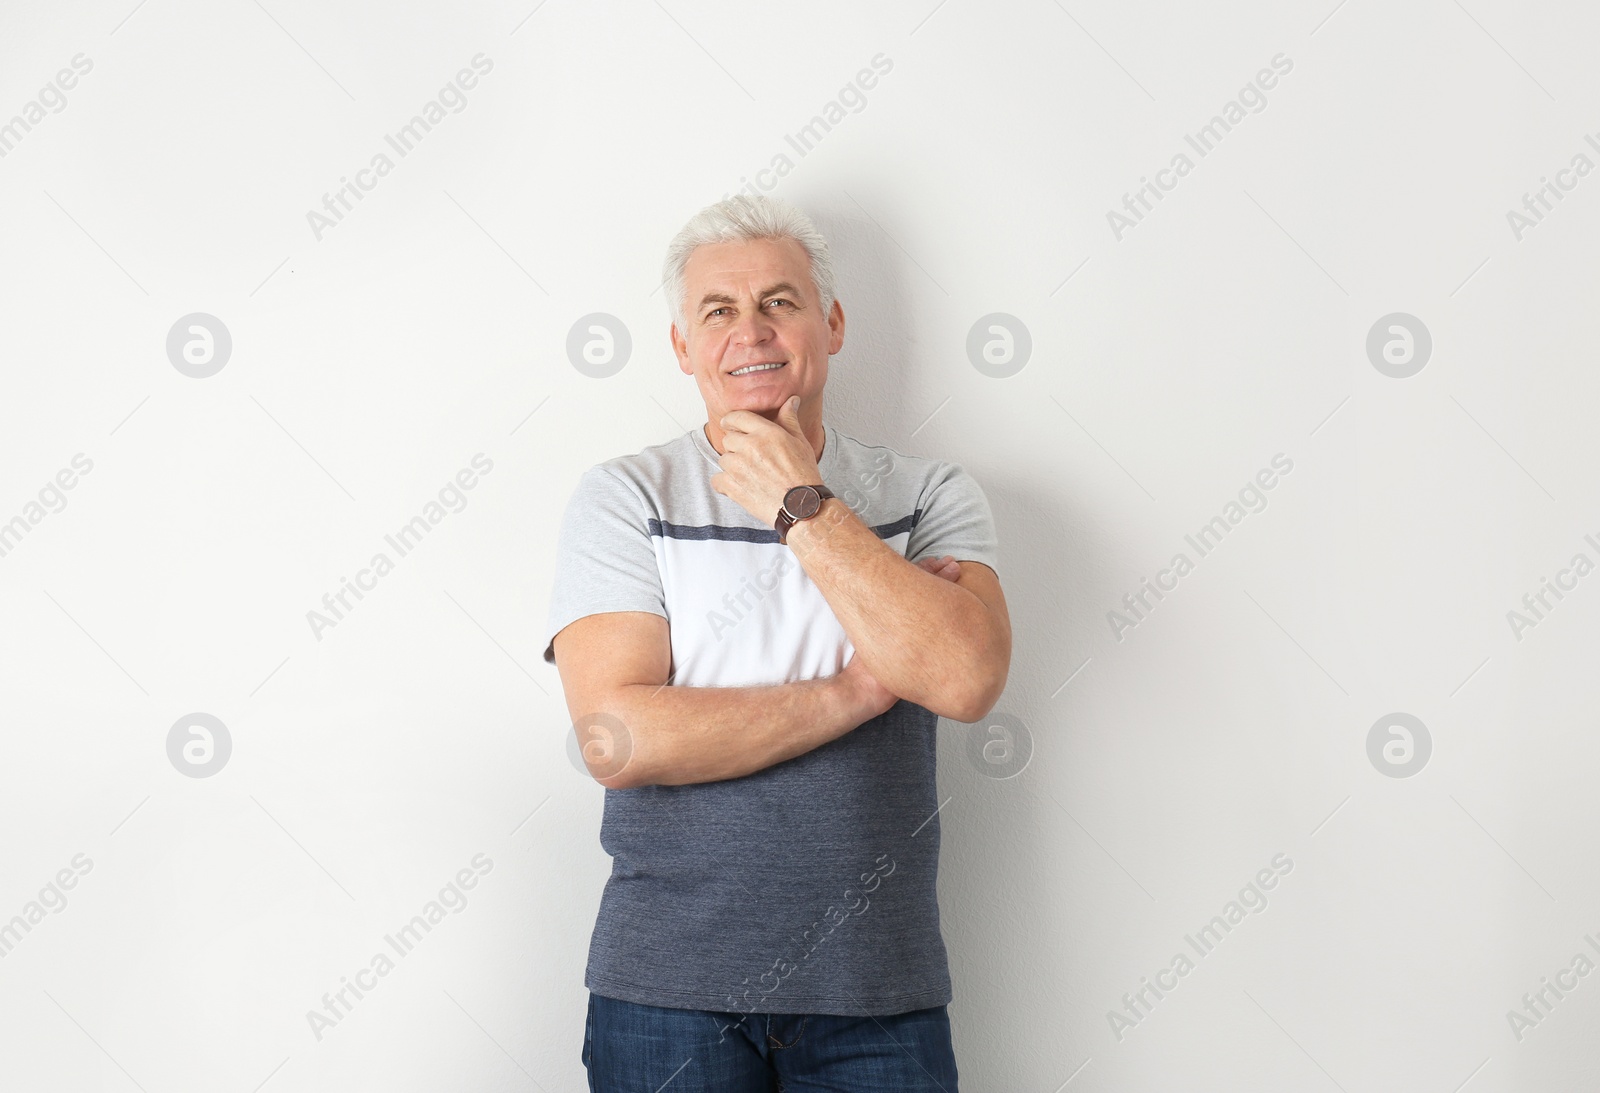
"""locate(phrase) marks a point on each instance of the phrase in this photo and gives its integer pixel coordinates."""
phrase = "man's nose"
(753, 327)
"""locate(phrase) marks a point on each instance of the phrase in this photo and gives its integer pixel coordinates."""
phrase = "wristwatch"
(800, 503)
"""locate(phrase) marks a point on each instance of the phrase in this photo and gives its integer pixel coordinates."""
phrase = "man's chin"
(767, 405)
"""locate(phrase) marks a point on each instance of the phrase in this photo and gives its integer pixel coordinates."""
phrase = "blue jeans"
(633, 1048)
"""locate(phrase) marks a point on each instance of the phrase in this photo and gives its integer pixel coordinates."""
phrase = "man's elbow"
(975, 703)
(617, 781)
(628, 767)
(973, 693)
(612, 747)
(631, 775)
(978, 689)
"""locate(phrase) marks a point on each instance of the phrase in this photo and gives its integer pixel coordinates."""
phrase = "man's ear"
(835, 328)
(680, 349)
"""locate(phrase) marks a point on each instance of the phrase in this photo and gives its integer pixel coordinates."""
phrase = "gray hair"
(742, 217)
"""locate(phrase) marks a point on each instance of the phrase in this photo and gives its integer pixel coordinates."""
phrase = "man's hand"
(874, 696)
(763, 460)
(946, 567)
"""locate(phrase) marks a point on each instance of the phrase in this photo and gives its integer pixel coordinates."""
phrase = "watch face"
(802, 502)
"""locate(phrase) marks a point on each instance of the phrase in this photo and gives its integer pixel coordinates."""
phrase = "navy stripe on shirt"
(665, 530)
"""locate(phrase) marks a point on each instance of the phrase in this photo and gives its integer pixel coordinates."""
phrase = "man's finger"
(948, 570)
(742, 421)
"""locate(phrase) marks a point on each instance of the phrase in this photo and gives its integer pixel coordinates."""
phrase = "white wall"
(371, 361)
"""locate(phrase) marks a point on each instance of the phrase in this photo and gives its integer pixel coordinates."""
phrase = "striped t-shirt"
(809, 886)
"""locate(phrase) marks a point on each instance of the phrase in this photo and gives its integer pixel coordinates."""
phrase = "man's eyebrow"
(782, 287)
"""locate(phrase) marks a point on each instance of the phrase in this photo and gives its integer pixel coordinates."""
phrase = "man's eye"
(777, 300)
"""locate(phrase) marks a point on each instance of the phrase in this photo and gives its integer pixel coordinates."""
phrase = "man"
(757, 625)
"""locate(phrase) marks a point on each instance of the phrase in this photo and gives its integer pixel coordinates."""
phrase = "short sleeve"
(953, 518)
(604, 557)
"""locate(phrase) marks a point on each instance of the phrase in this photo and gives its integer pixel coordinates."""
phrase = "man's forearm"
(682, 735)
(908, 626)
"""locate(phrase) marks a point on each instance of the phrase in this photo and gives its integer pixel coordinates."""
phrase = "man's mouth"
(751, 369)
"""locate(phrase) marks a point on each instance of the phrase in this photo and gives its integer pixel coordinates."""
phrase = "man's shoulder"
(871, 464)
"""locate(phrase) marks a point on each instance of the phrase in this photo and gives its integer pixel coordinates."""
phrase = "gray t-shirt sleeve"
(955, 520)
(604, 558)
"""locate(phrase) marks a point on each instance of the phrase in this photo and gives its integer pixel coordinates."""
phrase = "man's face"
(753, 303)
